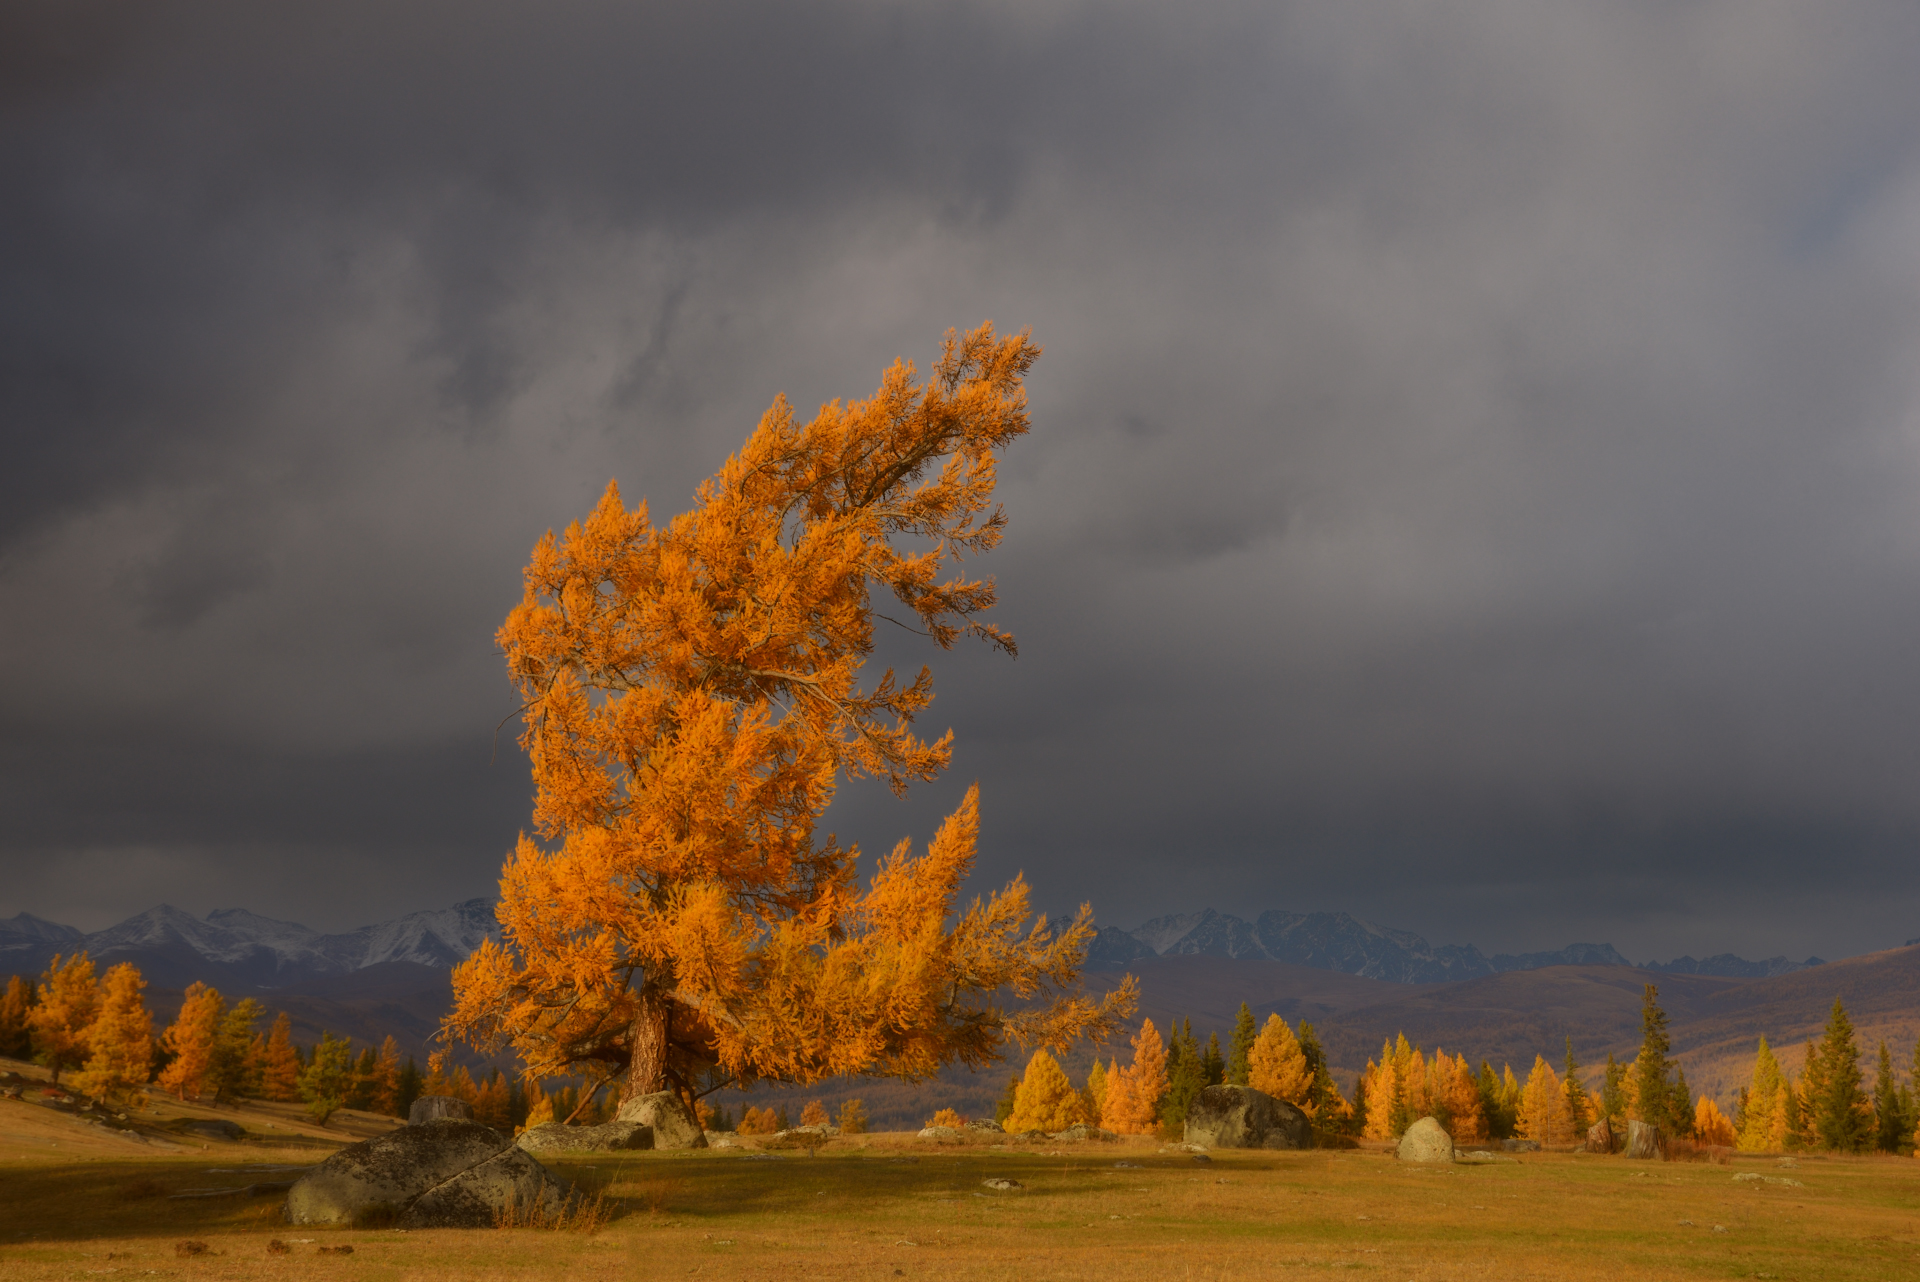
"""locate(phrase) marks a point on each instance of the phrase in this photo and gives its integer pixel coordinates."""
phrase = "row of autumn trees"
(100, 1032)
(1827, 1107)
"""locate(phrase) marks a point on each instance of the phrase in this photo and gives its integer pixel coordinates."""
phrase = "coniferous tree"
(120, 1040)
(1278, 1066)
(1680, 1103)
(1841, 1112)
(1323, 1098)
(1889, 1117)
(1488, 1084)
(1739, 1118)
(1812, 1089)
(1543, 1105)
(1134, 1093)
(1186, 1078)
(411, 1084)
(192, 1040)
(360, 1088)
(1045, 1100)
(1579, 1110)
(226, 1076)
(1359, 1120)
(1764, 1126)
(1613, 1094)
(1652, 1089)
(1216, 1064)
(63, 1007)
(1710, 1125)
(853, 1118)
(324, 1081)
(1095, 1093)
(1004, 1109)
(1244, 1032)
(16, 1034)
(280, 1075)
(383, 1093)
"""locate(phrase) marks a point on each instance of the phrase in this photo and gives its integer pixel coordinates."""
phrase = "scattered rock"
(1426, 1141)
(1645, 1142)
(1600, 1137)
(189, 1247)
(1481, 1156)
(1201, 1157)
(342, 1249)
(1004, 1186)
(555, 1138)
(448, 1172)
(723, 1139)
(1241, 1117)
(1035, 1136)
(986, 1124)
(213, 1128)
(1754, 1177)
(277, 1247)
(1719, 1228)
(1520, 1146)
(674, 1125)
(433, 1108)
(944, 1133)
(1126, 1166)
(1080, 1131)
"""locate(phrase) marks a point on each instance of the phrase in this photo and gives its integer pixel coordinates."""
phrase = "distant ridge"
(235, 947)
(1344, 943)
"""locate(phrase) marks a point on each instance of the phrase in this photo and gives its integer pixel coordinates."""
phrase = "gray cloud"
(1472, 484)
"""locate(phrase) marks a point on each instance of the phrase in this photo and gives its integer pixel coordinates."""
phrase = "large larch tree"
(692, 695)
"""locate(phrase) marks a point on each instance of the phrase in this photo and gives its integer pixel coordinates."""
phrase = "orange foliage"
(1543, 1106)
(492, 1103)
(280, 1073)
(759, 1121)
(1457, 1097)
(814, 1114)
(946, 1117)
(1133, 1092)
(1710, 1125)
(1277, 1065)
(120, 1040)
(191, 1039)
(691, 696)
(68, 998)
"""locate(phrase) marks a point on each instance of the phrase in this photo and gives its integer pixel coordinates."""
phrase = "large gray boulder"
(1600, 1137)
(555, 1138)
(450, 1172)
(1241, 1117)
(1426, 1141)
(434, 1108)
(673, 1123)
(1645, 1142)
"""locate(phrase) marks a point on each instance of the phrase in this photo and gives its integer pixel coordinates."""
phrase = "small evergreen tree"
(324, 1081)
(227, 1077)
(1004, 1109)
(410, 1089)
(1494, 1105)
(1359, 1121)
(1841, 1112)
(1652, 1089)
(1740, 1110)
(1889, 1118)
(1613, 1094)
(280, 1076)
(1186, 1078)
(1214, 1063)
(1323, 1094)
(192, 1039)
(1680, 1103)
(1046, 1100)
(1244, 1032)
(1579, 1111)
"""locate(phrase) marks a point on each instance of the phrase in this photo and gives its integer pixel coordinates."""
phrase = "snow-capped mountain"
(1344, 943)
(260, 950)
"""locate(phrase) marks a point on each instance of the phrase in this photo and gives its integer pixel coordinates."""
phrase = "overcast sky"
(1472, 484)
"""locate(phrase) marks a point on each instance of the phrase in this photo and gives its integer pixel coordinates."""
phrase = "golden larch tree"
(1764, 1129)
(1710, 1125)
(192, 1040)
(814, 1114)
(1543, 1106)
(1095, 1092)
(16, 1034)
(1277, 1066)
(66, 1001)
(1046, 1100)
(692, 695)
(120, 1040)
(383, 1087)
(1455, 1096)
(280, 1069)
(1133, 1092)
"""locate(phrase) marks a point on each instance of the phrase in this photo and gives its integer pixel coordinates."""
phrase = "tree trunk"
(647, 1072)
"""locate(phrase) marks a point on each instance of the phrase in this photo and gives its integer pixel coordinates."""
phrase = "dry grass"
(893, 1206)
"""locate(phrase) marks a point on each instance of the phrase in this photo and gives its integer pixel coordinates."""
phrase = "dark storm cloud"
(1472, 486)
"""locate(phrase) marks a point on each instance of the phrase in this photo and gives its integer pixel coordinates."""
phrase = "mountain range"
(233, 948)
(1343, 943)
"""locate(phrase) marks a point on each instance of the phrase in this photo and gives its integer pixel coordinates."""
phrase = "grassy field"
(74, 1203)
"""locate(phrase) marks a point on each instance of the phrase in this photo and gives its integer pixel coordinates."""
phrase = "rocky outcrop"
(452, 1173)
(986, 1124)
(1520, 1146)
(433, 1108)
(1645, 1142)
(941, 1133)
(555, 1138)
(1081, 1131)
(1241, 1117)
(1600, 1137)
(1426, 1141)
(674, 1125)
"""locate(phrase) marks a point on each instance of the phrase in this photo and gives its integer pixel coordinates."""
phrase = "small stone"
(189, 1247)
(1719, 1228)
(1002, 1185)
